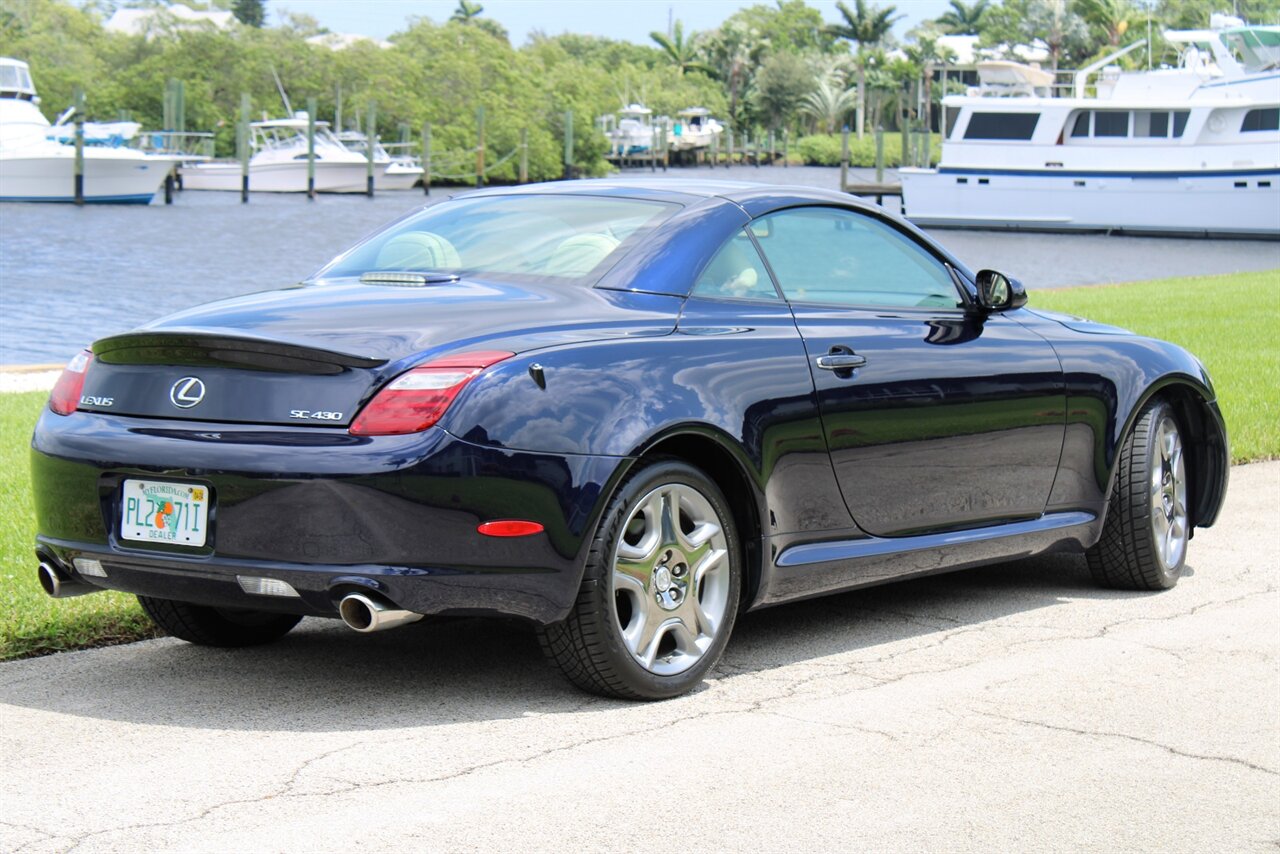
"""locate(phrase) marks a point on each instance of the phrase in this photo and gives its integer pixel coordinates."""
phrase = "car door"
(935, 417)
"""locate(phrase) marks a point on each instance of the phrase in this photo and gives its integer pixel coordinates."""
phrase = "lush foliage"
(768, 67)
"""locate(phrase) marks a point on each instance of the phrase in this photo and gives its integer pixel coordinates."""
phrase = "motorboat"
(633, 133)
(694, 129)
(1192, 149)
(278, 163)
(393, 171)
(36, 168)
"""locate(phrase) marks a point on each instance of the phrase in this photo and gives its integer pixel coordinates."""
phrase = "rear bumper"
(325, 512)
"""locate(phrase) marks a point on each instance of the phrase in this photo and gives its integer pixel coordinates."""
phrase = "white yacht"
(398, 171)
(694, 129)
(1192, 150)
(279, 162)
(35, 168)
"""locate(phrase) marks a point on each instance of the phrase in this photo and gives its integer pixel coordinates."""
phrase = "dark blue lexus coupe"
(626, 412)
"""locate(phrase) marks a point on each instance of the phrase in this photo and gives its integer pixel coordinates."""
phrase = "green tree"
(964, 19)
(681, 51)
(1110, 19)
(829, 103)
(865, 26)
(253, 13)
(734, 52)
(1050, 23)
(781, 84)
(467, 11)
(789, 26)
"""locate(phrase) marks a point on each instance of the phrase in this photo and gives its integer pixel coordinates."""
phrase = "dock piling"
(480, 146)
(729, 162)
(844, 158)
(311, 149)
(568, 143)
(371, 139)
(524, 156)
(79, 166)
(786, 154)
(426, 158)
(242, 146)
(714, 160)
(879, 154)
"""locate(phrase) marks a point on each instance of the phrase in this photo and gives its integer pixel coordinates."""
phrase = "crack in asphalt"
(1088, 733)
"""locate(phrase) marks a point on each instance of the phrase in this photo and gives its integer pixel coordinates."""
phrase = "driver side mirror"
(998, 292)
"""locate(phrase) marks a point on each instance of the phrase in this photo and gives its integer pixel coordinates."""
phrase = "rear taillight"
(418, 398)
(65, 396)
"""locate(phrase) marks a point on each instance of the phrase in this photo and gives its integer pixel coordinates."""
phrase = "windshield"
(573, 239)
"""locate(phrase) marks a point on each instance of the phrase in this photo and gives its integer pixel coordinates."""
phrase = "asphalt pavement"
(1014, 707)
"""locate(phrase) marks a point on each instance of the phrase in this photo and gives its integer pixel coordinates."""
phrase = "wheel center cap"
(662, 579)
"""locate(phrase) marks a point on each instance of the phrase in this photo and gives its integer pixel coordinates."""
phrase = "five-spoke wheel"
(1144, 538)
(660, 592)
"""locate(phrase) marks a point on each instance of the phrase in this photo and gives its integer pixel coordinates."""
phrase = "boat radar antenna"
(288, 108)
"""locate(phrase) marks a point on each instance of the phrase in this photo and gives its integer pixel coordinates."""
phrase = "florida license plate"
(156, 511)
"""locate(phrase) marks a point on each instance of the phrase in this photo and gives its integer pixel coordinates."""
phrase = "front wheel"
(208, 626)
(660, 592)
(1145, 535)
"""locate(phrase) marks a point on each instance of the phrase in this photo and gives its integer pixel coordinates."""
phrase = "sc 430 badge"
(314, 415)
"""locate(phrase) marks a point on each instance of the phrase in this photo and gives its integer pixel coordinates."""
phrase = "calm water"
(69, 275)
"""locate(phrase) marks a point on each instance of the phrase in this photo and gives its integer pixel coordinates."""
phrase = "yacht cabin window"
(1267, 118)
(1001, 125)
(1115, 124)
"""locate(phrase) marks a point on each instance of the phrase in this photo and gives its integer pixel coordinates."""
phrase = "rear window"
(571, 239)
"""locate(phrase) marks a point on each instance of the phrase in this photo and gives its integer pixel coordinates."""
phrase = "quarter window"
(829, 255)
(736, 272)
(1267, 118)
(1001, 126)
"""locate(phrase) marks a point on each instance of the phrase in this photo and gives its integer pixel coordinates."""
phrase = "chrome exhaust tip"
(369, 614)
(60, 586)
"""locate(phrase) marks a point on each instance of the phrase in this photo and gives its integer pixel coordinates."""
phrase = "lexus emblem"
(187, 392)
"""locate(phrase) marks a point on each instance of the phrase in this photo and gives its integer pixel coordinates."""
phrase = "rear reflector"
(510, 528)
(89, 566)
(65, 396)
(265, 586)
(418, 398)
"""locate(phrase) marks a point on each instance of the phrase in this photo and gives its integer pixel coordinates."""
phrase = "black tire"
(589, 645)
(1129, 555)
(207, 626)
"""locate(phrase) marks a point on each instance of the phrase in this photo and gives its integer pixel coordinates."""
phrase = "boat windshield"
(555, 238)
(1256, 48)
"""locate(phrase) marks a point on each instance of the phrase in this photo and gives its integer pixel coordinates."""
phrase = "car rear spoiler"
(179, 347)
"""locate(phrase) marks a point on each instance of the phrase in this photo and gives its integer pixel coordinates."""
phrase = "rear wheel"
(660, 592)
(1145, 535)
(208, 626)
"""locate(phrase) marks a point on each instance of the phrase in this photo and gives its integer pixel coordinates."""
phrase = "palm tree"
(865, 26)
(1112, 17)
(467, 10)
(733, 54)
(829, 103)
(964, 20)
(680, 50)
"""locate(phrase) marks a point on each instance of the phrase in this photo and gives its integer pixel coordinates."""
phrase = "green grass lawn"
(32, 623)
(1230, 322)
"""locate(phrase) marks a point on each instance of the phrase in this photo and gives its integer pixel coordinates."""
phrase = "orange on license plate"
(162, 511)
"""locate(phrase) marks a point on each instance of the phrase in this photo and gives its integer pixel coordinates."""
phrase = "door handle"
(840, 361)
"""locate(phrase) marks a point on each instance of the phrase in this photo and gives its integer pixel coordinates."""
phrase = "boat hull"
(1244, 203)
(287, 177)
(110, 177)
(398, 178)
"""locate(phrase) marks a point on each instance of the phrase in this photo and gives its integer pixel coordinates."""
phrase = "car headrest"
(578, 255)
(418, 250)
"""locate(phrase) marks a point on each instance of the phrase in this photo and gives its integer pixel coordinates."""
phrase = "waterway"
(70, 275)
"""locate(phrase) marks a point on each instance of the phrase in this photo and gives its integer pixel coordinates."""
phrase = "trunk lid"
(313, 355)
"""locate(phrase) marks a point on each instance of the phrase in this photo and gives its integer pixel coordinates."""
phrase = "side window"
(736, 271)
(836, 256)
